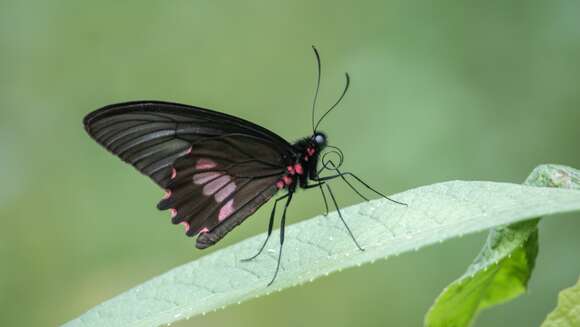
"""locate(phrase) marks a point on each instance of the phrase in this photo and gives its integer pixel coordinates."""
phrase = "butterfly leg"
(282, 226)
(342, 176)
(321, 191)
(324, 198)
(270, 227)
(341, 218)
(334, 167)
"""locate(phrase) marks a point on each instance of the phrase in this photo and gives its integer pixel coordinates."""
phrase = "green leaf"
(499, 273)
(504, 266)
(319, 246)
(567, 313)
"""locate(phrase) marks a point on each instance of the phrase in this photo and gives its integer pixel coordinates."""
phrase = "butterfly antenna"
(317, 86)
(337, 102)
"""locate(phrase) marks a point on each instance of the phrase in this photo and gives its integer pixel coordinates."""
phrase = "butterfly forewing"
(151, 135)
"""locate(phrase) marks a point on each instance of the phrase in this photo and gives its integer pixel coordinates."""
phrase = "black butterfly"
(217, 169)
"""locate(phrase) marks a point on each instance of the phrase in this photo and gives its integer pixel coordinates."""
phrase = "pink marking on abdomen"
(173, 212)
(205, 164)
(188, 150)
(203, 178)
(173, 173)
(225, 192)
(167, 194)
(203, 230)
(212, 187)
(226, 210)
(298, 169)
(185, 225)
(287, 180)
(280, 184)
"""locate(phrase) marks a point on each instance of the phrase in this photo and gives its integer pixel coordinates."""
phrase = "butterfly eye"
(320, 139)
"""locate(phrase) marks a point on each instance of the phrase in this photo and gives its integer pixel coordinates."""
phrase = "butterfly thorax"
(303, 166)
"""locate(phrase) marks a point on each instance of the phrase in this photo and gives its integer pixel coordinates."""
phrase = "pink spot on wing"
(173, 173)
(290, 170)
(205, 164)
(298, 169)
(203, 178)
(287, 180)
(310, 151)
(185, 225)
(212, 187)
(173, 212)
(226, 210)
(225, 192)
(280, 184)
(204, 230)
(167, 194)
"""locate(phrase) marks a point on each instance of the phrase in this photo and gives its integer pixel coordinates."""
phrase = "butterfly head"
(318, 141)
(330, 156)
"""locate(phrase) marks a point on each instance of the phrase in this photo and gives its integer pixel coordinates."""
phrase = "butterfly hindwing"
(220, 178)
(207, 239)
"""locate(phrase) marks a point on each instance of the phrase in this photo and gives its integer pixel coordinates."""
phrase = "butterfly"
(217, 169)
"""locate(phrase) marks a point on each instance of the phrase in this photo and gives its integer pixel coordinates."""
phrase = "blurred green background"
(440, 90)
